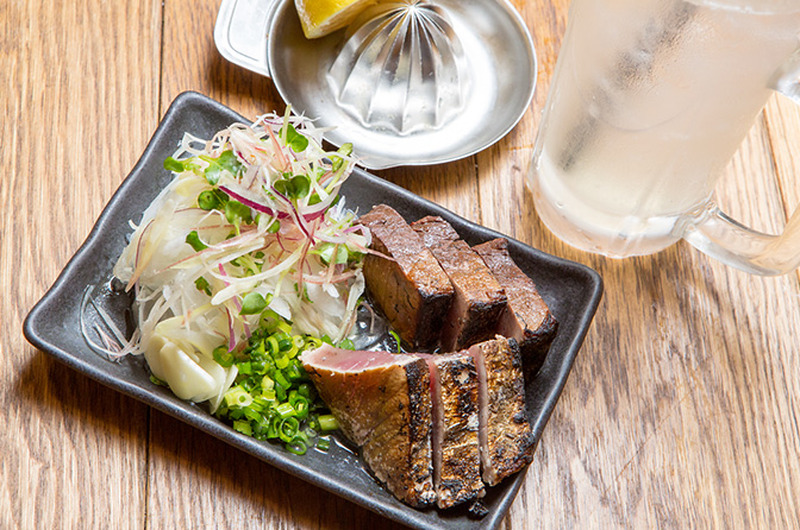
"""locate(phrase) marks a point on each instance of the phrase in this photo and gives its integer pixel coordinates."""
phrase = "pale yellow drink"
(650, 100)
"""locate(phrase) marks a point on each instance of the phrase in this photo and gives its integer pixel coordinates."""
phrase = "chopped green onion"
(297, 446)
(257, 366)
(223, 357)
(288, 428)
(309, 433)
(313, 422)
(261, 402)
(238, 397)
(252, 415)
(280, 391)
(285, 410)
(300, 405)
(294, 371)
(305, 390)
(243, 427)
(282, 361)
(323, 443)
(272, 398)
(396, 338)
(272, 430)
(156, 381)
(272, 346)
(328, 423)
(292, 353)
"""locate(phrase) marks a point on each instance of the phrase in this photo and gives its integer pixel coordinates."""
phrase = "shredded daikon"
(252, 215)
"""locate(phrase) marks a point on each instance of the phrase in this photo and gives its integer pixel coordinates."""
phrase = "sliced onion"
(253, 204)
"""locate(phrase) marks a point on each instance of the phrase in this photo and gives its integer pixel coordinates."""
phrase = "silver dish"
(420, 101)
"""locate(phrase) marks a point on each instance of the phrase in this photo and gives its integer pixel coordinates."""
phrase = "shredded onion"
(275, 252)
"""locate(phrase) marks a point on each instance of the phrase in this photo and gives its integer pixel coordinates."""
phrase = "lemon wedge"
(322, 17)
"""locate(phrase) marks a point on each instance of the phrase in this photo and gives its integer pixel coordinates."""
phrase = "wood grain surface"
(681, 409)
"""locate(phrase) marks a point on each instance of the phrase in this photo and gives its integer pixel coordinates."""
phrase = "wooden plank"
(199, 482)
(783, 117)
(191, 62)
(79, 84)
(681, 410)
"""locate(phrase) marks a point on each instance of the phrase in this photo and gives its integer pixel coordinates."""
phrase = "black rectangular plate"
(571, 290)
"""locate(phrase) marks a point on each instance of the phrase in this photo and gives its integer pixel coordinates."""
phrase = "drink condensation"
(651, 98)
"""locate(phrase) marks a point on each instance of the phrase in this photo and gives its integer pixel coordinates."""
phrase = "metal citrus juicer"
(409, 82)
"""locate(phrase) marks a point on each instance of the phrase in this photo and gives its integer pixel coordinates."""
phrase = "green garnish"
(171, 164)
(237, 213)
(347, 344)
(243, 427)
(272, 397)
(397, 341)
(273, 228)
(323, 443)
(212, 199)
(223, 357)
(346, 149)
(298, 447)
(202, 285)
(156, 381)
(327, 250)
(194, 240)
(293, 186)
(295, 140)
(327, 422)
(336, 254)
(265, 211)
(227, 161)
(252, 304)
(337, 162)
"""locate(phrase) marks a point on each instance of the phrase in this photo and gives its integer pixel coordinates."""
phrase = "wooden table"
(681, 410)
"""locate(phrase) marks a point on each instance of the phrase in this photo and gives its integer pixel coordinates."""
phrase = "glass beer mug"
(649, 101)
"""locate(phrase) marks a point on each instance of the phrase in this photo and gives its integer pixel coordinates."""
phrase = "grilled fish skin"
(505, 434)
(383, 404)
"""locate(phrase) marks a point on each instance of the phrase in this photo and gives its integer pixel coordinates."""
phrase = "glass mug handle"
(723, 238)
